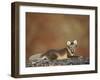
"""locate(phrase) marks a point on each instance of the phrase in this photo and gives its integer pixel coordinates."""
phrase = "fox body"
(61, 54)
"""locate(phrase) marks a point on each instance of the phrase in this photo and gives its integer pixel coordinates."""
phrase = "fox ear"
(68, 42)
(75, 42)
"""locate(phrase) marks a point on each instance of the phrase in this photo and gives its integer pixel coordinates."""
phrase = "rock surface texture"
(46, 62)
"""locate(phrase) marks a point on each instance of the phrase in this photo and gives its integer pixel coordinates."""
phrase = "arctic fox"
(61, 54)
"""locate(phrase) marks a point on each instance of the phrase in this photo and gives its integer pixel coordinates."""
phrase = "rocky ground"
(70, 61)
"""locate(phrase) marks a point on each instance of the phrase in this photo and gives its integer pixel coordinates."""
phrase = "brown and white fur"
(61, 54)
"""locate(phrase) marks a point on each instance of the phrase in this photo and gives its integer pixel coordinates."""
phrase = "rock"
(38, 62)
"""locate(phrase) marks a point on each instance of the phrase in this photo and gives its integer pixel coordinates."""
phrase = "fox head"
(71, 46)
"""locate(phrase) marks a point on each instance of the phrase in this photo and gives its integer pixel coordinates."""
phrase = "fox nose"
(72, 51)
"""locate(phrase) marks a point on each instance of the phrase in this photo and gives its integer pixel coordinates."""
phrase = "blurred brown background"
(50, 31)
